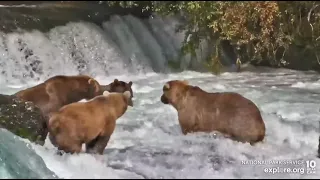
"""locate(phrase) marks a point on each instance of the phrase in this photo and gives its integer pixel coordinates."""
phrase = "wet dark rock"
(23, 119)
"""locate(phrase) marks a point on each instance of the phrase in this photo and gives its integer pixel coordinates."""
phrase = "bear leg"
(44, 134)
(71, 148)
(92, 143)
(66, 143)
(53, 140)
(97, 145)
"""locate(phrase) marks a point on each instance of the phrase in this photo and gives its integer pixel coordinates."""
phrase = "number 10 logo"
(311, 166)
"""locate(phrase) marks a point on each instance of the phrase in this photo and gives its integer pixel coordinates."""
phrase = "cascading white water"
(20, 163)
(122, 45)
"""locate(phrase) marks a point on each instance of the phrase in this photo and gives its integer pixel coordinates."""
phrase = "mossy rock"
(23, 119)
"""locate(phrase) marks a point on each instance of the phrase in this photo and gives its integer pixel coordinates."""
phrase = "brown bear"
(228, 113)
(91, 122)
(61, 90)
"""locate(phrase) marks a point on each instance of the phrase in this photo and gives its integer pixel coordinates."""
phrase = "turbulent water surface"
(147, 142)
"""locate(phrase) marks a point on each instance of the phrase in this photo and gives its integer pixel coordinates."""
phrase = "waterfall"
(122, 45)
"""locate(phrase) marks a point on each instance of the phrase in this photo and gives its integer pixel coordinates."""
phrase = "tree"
(259, 31)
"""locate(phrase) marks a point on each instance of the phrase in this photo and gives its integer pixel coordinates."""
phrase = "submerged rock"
(23, 119)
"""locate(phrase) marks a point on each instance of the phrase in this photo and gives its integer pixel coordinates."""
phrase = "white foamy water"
(148, 143)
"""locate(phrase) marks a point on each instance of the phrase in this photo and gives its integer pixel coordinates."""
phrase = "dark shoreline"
(45, 15)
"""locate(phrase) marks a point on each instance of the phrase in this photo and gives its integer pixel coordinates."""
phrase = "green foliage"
(124, 4)
(174, 65)
(259, 30)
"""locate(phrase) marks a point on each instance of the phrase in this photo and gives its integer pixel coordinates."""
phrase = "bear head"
(121, 98)
(173, 91)
(119, 87)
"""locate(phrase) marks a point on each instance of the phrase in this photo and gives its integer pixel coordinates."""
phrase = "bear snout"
(164, 99)
(130, 102)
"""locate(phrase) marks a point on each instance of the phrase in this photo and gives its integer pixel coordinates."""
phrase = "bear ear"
(116, 81)
(166, 87)
(106, 93)
(127, 94)
(130, 83)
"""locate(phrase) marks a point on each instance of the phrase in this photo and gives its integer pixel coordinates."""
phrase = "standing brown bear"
(228, 113)
(91, 122)
(61, 90)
